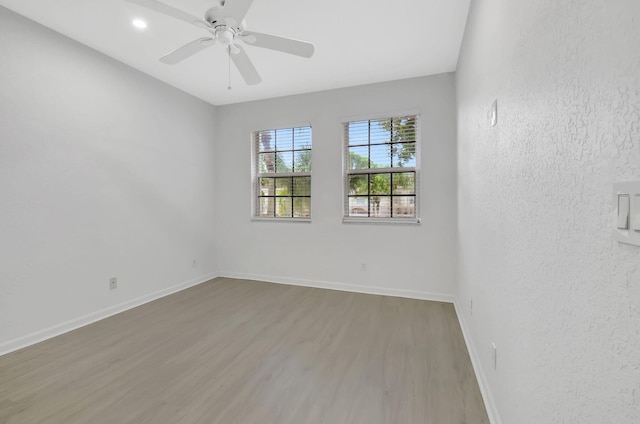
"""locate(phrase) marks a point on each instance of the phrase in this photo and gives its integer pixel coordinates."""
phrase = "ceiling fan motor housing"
(214, 14)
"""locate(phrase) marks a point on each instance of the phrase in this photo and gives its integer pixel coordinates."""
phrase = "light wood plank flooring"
(236, 351)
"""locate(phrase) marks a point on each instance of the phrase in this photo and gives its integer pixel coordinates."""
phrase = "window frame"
(347, 171)
(256, 175)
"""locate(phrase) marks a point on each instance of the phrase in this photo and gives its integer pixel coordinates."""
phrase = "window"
(283, 173)
(381, 176)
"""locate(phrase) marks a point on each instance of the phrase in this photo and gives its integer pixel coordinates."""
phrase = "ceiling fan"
(226, 25)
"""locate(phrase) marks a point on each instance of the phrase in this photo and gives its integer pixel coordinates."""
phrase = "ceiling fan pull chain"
(229, 61)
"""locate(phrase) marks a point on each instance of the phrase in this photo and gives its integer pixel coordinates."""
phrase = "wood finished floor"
(236, 351)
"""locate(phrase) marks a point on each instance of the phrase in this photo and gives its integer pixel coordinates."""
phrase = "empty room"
(291, 211)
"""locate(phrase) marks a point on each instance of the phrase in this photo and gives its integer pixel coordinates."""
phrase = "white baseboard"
(65, 327)
(485, 390)
(356, 288)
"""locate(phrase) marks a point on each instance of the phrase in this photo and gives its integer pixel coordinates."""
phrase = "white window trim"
(346, 172)
(283, 219)
(254, 176)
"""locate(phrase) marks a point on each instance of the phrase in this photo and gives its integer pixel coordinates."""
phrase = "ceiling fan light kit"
(226, 25)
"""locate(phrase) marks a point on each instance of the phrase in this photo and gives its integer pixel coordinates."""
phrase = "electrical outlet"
(113, 283)
(495, 355)
(195, 263)
(471, 307)
(363, 266)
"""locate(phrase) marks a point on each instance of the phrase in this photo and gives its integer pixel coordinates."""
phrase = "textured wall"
(550, 286)
(104, 172)
(417, 259)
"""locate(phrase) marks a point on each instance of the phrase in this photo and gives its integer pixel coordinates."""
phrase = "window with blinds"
(283, 173)
(381, 175)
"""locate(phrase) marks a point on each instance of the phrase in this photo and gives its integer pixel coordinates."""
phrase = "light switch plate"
(626, 212)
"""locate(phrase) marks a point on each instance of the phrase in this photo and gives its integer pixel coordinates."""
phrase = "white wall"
(550, 286)
(103, 172)
(411, 260)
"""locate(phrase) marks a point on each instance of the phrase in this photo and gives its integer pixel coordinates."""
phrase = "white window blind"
(381, 175)
(282, 173)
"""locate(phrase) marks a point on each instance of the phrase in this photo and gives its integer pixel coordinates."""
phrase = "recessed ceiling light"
(139, 23)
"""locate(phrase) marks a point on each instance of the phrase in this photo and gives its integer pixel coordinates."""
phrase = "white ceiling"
(356, 41)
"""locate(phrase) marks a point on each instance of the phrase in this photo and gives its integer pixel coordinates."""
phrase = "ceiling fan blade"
(246, 68)
(189, 49)
(281, 44)
(236, 9)
(165, 9)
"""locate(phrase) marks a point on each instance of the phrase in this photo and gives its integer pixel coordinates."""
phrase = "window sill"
(383, 221)
(299, 220)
